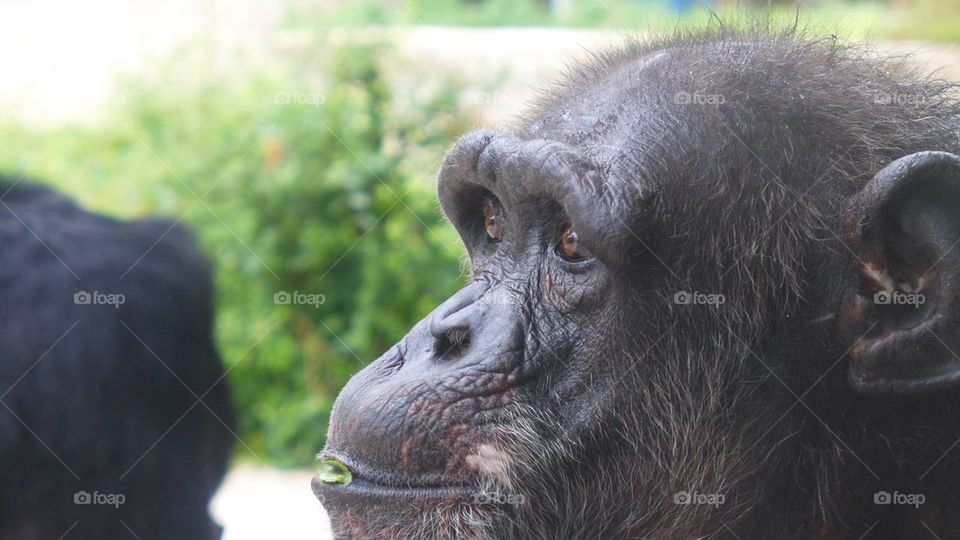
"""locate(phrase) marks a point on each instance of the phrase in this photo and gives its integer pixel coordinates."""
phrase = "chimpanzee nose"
(453, 323)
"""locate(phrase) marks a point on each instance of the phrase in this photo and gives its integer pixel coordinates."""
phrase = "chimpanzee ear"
(901, 319)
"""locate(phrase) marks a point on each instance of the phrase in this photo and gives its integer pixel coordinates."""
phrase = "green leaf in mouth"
(333, 472)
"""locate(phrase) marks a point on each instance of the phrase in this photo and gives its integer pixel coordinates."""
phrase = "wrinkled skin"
(570, 390)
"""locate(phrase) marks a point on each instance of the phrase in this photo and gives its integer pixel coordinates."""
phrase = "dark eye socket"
(492, 224)
(570, 249)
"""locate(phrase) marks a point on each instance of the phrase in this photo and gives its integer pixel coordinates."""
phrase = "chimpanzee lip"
(368, 484)
(361, 489)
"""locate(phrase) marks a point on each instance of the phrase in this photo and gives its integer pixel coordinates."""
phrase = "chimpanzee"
(715, 293)
(114, 418)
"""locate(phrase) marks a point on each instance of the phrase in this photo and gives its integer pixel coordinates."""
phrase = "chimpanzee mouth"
(343, 480)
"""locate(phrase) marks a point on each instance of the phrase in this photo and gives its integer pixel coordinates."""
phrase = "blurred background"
(300, 140)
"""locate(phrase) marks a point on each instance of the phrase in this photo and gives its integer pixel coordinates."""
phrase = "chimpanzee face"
(433, 411)
(672, 327)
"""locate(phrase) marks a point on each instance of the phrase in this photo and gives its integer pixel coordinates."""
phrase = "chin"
(366, 510)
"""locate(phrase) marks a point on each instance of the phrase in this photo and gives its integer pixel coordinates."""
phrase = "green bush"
(294, 183)
(934, 20)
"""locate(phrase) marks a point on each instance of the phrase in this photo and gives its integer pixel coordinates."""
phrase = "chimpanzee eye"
(491, 222)
(570, 248)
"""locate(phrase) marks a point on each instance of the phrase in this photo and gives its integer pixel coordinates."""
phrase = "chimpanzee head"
(714, 293)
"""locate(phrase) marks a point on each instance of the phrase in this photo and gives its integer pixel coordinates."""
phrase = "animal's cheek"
(567, 292)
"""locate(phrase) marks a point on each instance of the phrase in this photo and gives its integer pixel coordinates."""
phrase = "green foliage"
(935, 20)
(294, 184)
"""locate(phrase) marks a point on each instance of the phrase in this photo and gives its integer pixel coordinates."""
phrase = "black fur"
(722, 162)
(94, 396)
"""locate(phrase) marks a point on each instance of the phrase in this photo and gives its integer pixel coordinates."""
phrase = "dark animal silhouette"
(114, 420)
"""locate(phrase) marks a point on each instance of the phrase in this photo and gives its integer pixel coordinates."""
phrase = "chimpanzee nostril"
(452, 333)
(453, 322)
(453, 343)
